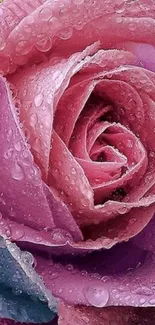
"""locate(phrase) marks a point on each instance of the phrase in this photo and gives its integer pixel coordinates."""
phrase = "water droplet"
(152, 154)
(18, 146)
(8, 153)
(16, 291)
(119, 19)
(84, 273)
(129, 144)
(60, 290)
(8, 232)
(142, 301)
(54, 275)
(23, 47)
(96, 296)
(73, 171)
(27, 258)
(152, 301)
(66, 33)
(18, 234)
(1, 216)
(44, 44)
(9, 135)
(45, 14)
(17, 172)
(2, 44)
(33, 120)
(122, 210)
(78, 2)
(69, 267)
(38, 100)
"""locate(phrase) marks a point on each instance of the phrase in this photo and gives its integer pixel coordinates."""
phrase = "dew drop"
(18, 234)
(8, 153)
(38, 100)
(17, 172)
(54, 275)
(33, 120)
(8, 232)
(78, 2)
(18, 146)
(2, 44)
(9, 135)
(142, 301)
(96, 296)
(122, 210)
(44, 44)
(23, 47)
(27, 258)
(152, 302)
(73, 171)
(129, 144)
(66, 33)
(45, 14)
(152, 154)
(119, 20)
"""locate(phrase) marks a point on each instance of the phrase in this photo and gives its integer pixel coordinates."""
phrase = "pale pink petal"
(54, 24)
(37, 89)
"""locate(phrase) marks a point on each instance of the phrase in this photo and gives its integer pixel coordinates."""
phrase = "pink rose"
(78, 149)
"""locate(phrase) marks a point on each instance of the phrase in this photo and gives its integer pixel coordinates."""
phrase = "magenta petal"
(107, 278)
(22, 196)
(81, 315)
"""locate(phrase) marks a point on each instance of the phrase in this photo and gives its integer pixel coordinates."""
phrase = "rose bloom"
(77, 162)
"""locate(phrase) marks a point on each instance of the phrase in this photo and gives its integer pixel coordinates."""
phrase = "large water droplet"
(66, 33)
(23, 47)
(38, 100)
(96, 296)
(45, 14)
(17, 172)
(18, 146)
(27, 258)
(78, 2)
(8, 153)
(18, 234)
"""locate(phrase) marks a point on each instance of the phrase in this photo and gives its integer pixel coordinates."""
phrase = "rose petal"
(122, 278)
(38, 89)
(59, 23)
(23, 199)
(81, 315)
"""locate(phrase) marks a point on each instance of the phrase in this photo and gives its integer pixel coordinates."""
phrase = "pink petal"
(81, 315)
(24, 198)
(50, 25)
(98, 280)
(22, 194)
(37, 89)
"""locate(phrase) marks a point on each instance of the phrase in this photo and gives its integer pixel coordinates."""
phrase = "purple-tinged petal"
(122, 278)
(81, 315)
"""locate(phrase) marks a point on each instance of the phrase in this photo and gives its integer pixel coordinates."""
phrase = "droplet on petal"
(66, 33)
(23, 47)
(38, 100)
(2, 44)
(78, 2)
(96, 296)
(45, 14)
(27, 258)
(17, 172)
